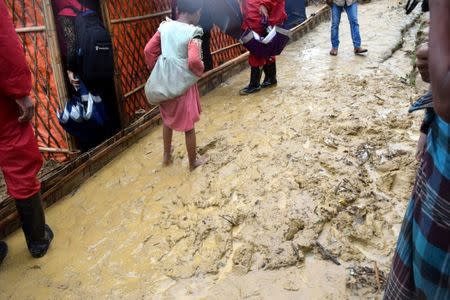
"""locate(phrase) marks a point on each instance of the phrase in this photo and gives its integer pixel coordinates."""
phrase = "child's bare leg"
(191, 146)
(167, 137)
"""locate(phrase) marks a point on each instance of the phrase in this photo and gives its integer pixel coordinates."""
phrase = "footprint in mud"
(211, 145)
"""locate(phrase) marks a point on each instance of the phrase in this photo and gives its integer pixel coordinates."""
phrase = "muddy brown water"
(326, 158)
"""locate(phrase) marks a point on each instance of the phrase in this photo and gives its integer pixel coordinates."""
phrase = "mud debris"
(360, 278)
(326, 254)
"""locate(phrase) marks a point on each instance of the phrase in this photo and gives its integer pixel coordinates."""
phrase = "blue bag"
(84, 115)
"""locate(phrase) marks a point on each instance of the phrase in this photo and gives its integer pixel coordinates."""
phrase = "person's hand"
(73, 79)
(422, 62)
(329, 2)
(421, 146)
(27, 109)
(264, 12)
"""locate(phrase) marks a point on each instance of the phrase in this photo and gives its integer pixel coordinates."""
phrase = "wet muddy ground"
(303, 196)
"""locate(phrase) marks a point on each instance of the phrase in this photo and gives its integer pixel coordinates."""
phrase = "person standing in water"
(20, 160)
(255, 14)
(421, 264)
(182, 113)
(351, 8)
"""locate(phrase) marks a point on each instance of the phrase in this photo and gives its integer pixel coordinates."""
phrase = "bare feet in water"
(198, 162)
(334, 52)
(167, 159)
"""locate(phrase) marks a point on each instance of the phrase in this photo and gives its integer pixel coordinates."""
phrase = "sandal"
(359, 51)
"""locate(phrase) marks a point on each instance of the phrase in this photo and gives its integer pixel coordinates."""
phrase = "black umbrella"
(226, 14)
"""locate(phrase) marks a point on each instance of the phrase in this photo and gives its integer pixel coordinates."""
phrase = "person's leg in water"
(191, 146)
(255, 75)
(336, 12)
(270, 72)
(38, 234)
(20, 162)
(167, 138)
(352, 14)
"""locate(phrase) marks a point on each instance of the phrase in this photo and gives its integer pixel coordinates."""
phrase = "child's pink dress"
(181, 113)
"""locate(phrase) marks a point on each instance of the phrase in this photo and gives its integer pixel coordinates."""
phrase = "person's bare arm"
(439, 56)
(422, 62)
(26, 108)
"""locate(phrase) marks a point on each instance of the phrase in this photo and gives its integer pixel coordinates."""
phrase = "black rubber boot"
(255, 79)
(37, 234)
(270, 78)
(3, 251)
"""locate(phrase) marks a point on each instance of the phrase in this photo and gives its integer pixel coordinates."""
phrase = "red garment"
(182, 113)
(256, 61)
(253, 20)
(20, 160)
(62, 9)
(252, 17)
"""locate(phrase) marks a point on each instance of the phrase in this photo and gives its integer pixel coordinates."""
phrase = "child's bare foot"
(198, 162)
(167, 159)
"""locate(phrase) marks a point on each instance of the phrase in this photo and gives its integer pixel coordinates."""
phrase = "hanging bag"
(84, 115)
(171, 77)
(272, 44)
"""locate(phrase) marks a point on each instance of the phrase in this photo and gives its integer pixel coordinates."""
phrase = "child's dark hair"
(189, 6)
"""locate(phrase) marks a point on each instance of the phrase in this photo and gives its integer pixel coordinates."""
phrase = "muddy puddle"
(303, 196)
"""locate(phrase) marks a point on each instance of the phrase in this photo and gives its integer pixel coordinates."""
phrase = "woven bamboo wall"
(33, 30)
(224, 47)
(132, 23)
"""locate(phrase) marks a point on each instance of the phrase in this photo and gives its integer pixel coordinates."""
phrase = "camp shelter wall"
(132, 23)
(34, 24)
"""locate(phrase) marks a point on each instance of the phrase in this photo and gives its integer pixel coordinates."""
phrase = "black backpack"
(94, 47)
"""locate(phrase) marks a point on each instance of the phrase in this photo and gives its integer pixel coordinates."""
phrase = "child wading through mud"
(183, 40)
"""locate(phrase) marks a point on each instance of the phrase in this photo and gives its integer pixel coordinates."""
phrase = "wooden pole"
(31, 29)
(56, 61)
(226, 48)
(139, 18)
(120, 99)
(57, 150)
(134, 91)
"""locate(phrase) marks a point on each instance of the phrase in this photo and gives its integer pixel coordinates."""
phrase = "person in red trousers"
(20, 160)
(254, 12)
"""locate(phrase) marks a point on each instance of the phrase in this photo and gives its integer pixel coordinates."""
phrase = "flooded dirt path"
(315, 170)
